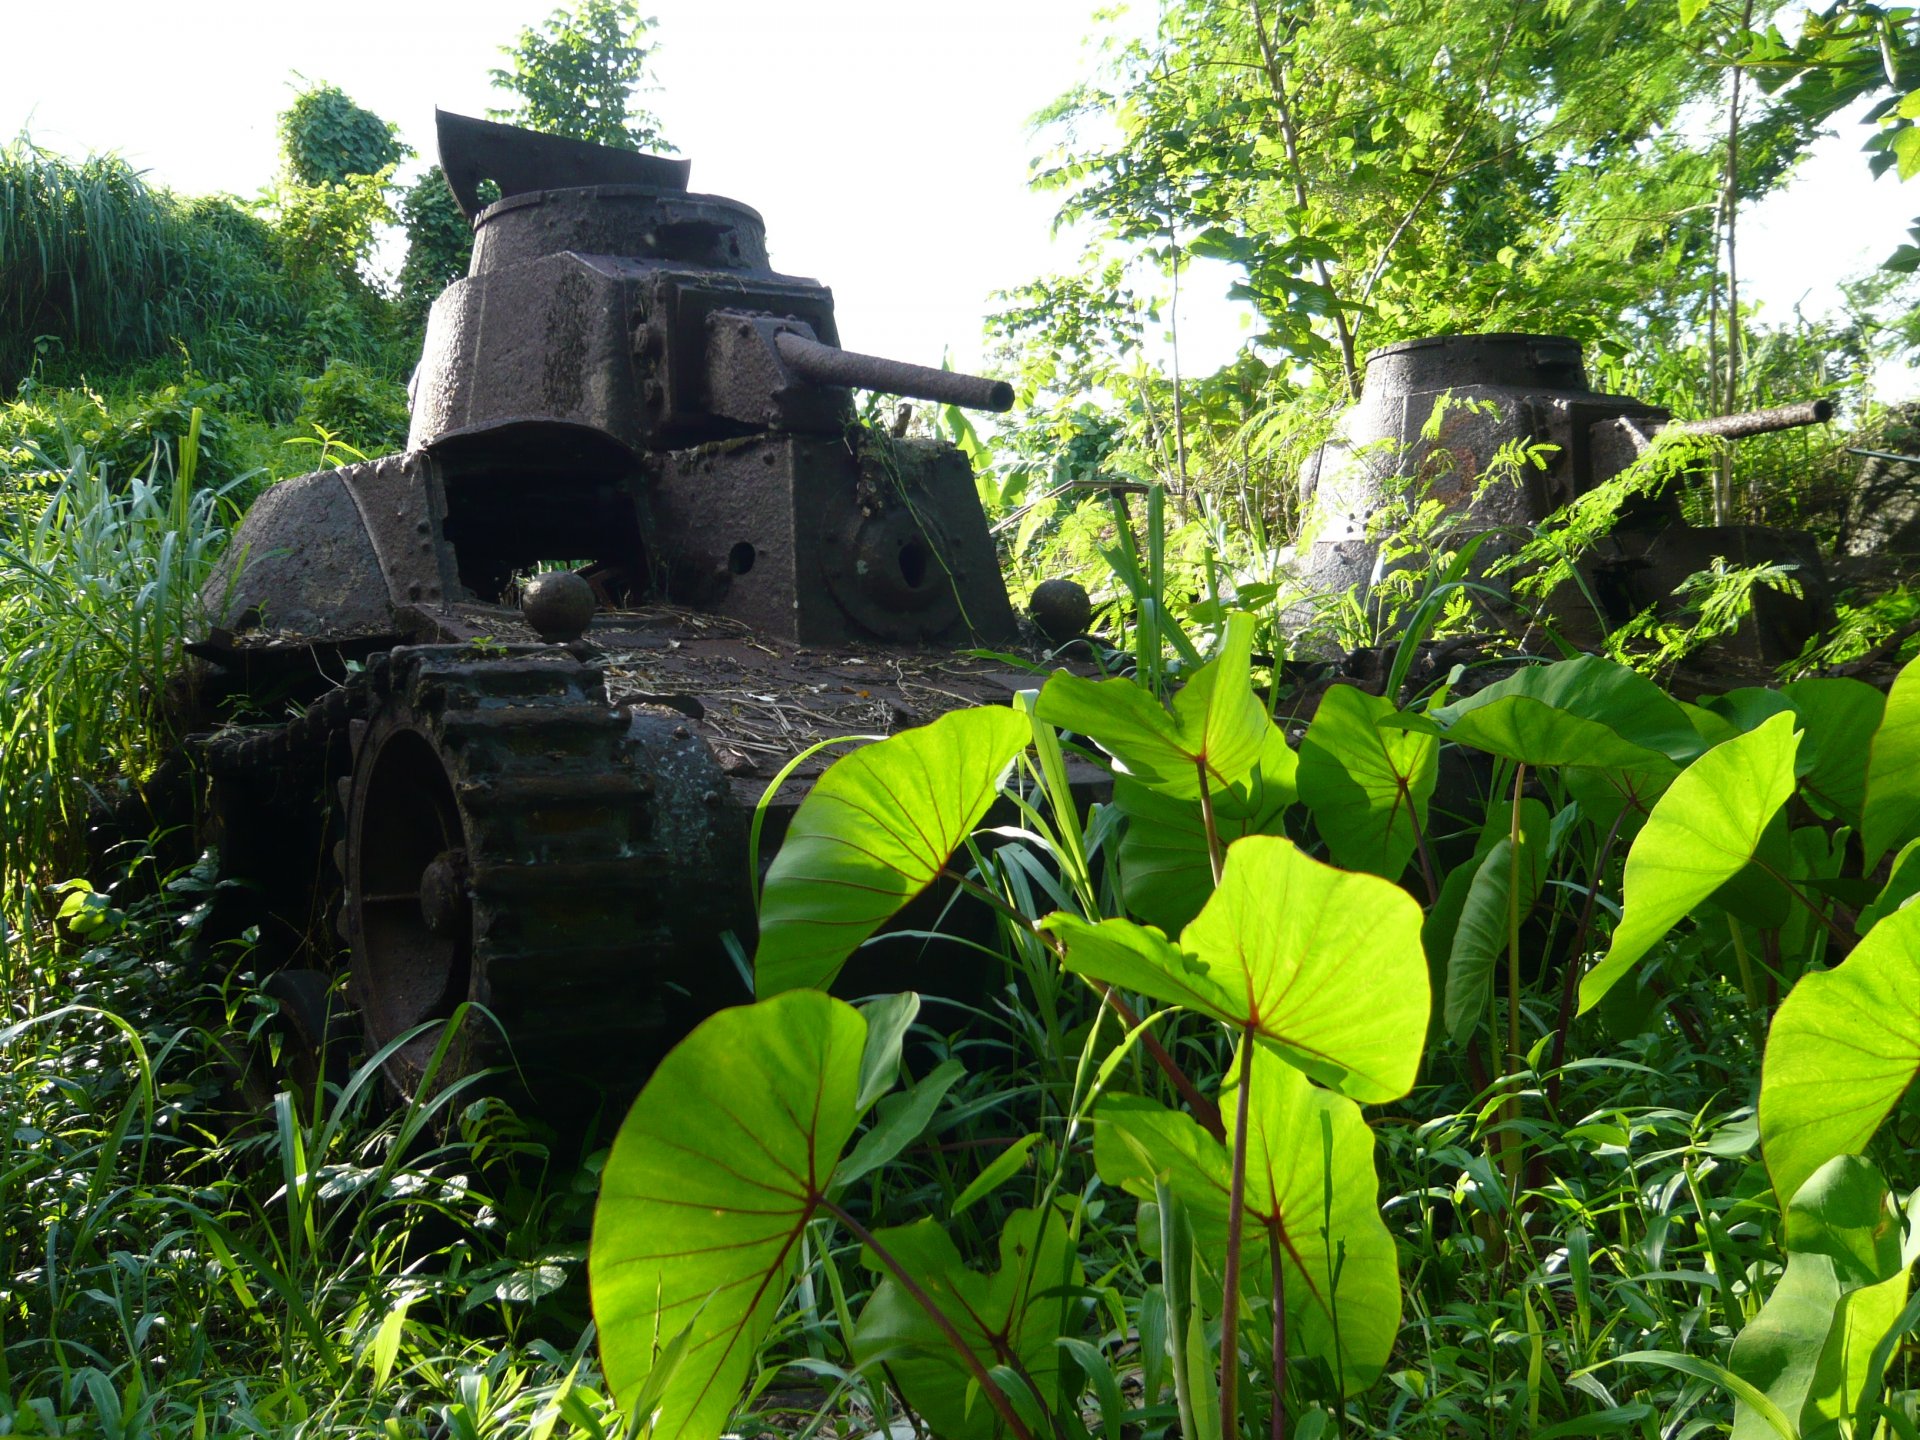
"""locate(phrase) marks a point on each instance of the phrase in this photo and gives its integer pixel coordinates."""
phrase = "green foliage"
(1891, 814)
(326, 139)
(329, 227)
(104, 282)
(1841, 1053)
(188, 1253)
(439, 243)
(699, 1225)
(1284, 950)
(1166, 868)
(824, 895)
(1213, 738)
(100, 586)
(1368, 784)
(366, 411)
(1014, 1318)
(1257, 1182)
(1809, 1350)
(1500, 896)
(96, 266)
(1701, 833)
(578, 73)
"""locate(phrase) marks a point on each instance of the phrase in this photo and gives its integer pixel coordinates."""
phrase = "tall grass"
(181, 1256)
(99, 586)
(88, 254)
(101, 272)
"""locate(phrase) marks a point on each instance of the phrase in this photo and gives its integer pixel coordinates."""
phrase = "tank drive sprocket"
(512, 840)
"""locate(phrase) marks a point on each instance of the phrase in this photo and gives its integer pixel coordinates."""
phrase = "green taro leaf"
(1605, 794)
(1841, 1052)
(712, 1179)
(1531, 732)
(1746, 709)
(872, 834)
(1217, 724)
(1366, 783)
(1013, 1316)
(1590, 688)
(1322, 964)
(1810, 1347)
(1757, 893)
(1838, 718)
(1892, 813)
(1480, 939)
(1312, 1186)
(1903, 883)
(1307, 1149)
(1701, 834)
(1166, 873)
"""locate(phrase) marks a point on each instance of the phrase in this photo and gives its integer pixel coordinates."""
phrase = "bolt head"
(443, 896)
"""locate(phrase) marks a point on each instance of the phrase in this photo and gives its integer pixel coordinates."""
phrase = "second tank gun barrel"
(830, 365)
(1760, 422)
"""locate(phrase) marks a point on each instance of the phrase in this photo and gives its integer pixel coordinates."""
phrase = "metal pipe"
(830, 365)
(1886, 455)
(1760, 422)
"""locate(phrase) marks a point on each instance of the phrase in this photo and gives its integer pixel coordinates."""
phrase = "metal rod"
(1760, 422)
(830, 365)
(1884, 455)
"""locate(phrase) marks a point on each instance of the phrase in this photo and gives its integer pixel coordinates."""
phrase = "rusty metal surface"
(404, 511)
(517, 160)
(1488, 392)
(304, 565)
(830, 365)
(1653, 565)
(813, 542)
(1453, 362)
(706, 232)
(755, 699)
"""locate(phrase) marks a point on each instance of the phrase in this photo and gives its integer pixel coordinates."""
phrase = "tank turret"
(1434, 413)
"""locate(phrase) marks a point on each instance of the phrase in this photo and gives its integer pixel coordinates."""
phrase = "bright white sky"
(884, 141)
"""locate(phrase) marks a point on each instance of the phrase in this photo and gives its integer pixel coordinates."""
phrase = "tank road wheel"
(513, 841)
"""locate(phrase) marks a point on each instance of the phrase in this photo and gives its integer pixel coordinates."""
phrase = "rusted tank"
(532, 791)
(1434, 413)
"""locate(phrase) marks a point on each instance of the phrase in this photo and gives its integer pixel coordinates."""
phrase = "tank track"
(266, 804)
(574, 839)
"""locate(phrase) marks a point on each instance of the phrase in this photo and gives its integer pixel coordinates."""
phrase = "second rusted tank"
(1434, 414)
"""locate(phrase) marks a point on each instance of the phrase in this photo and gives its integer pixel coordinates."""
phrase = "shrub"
(439, 243)
(326, 139)
(353, 405)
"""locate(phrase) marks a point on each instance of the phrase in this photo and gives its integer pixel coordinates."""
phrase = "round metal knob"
(558, 605)
(1062, 609)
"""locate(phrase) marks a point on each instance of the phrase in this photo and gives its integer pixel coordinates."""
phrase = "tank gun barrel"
(830, 365)
(1760, 422)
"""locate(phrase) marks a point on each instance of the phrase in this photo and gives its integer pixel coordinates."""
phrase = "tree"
(1384, 168)
(325, 138)
(439, 242)
(577, 76)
